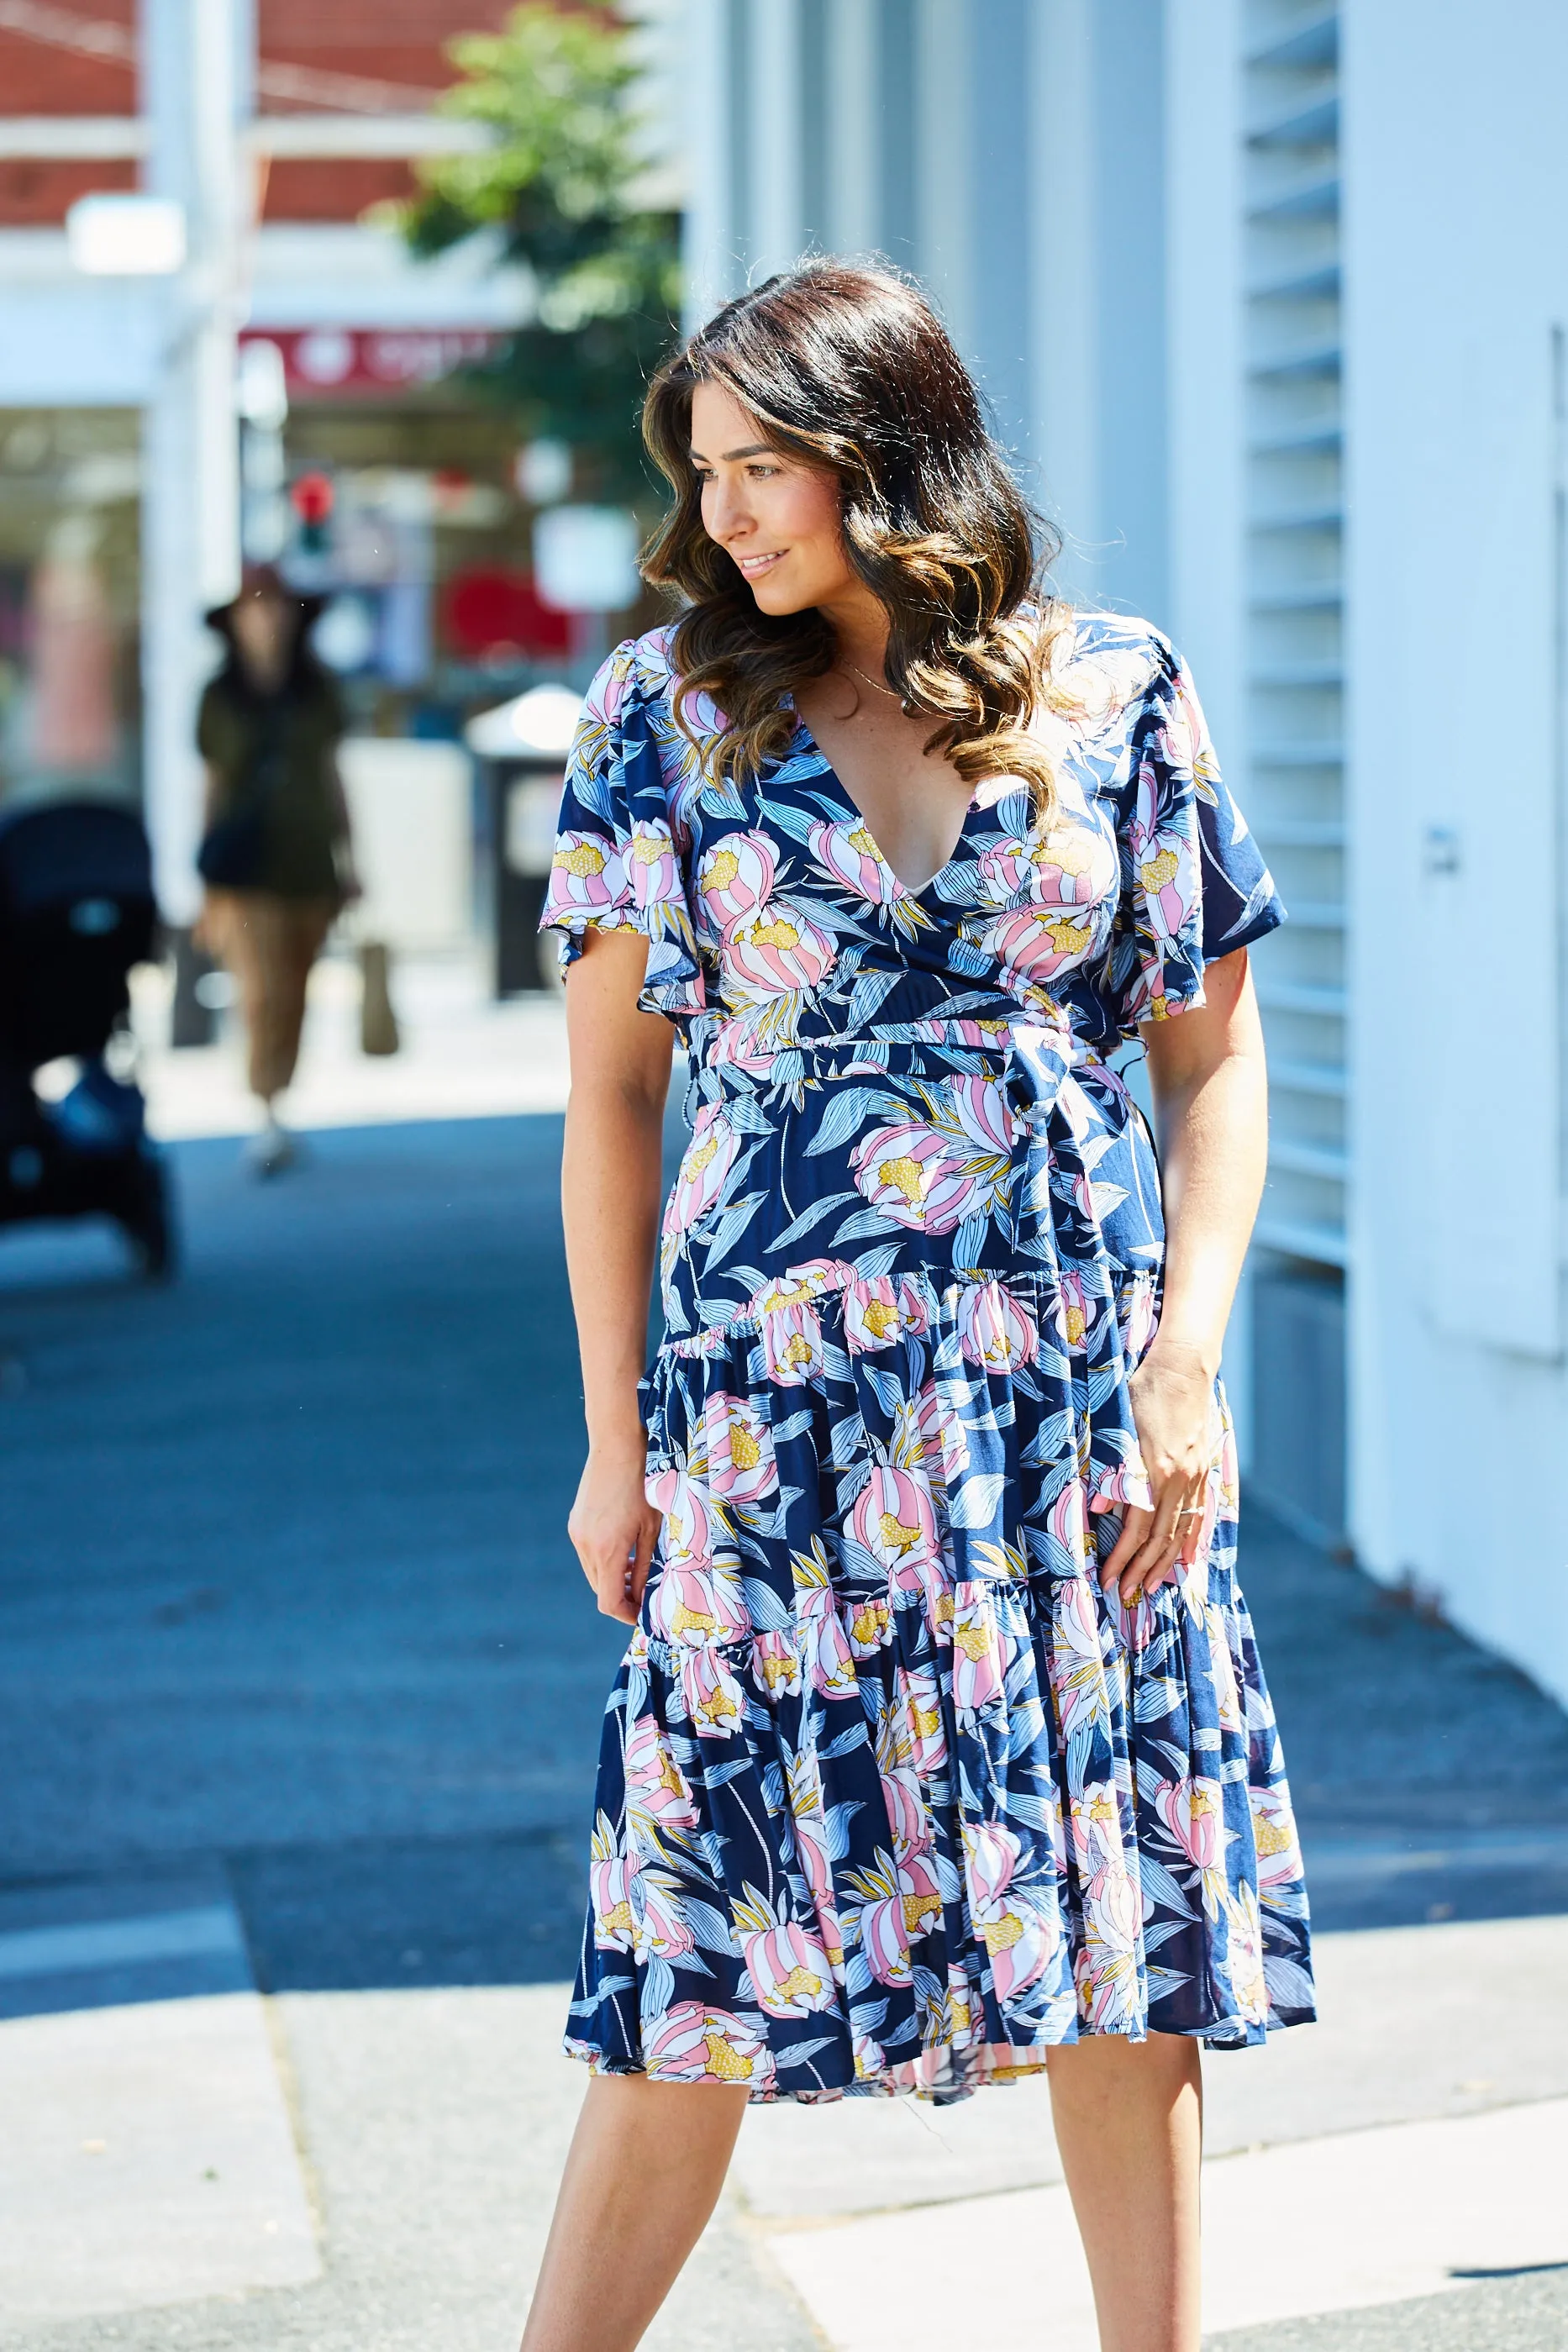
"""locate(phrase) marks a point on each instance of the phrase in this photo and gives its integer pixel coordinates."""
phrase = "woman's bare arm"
(1211, 1115)
(610, 1191)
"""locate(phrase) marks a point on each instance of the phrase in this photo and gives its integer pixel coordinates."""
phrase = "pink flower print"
(799, 1285)
(1035, 944)
(656, 1789)
(982, 1111)
(789, 1970)
(1068, 1527)
(1073, 1312)
(884, 1942)
(871, 1318)
(977, 1665)
(704, 1169)
(734, 877)
(741, 1468)
(1244, 1956)
(792, 1345)
(776, 1664)
(662, 1930)
(1096, 1817)
(991, 1854)
(894, 1520)
(688, 1523)
(1006, 871)
(1164, 865)
(811, 1838)
(611, 1879)
(920, 1892)
(694, 2043)
(1274, 1838)
(1107, 1964)
(944, 1442)
(995, 1329)
(606, 694)
(1193, 1814)
(1075, 1663)
(714, 1699)
(922, 1695)
(776, 951)
(869, 1623)
(585, 873)
(651, 867)
(918, 1176)
(825, 1647)
(691, 1606)
(1022, 1937)
(852, 857)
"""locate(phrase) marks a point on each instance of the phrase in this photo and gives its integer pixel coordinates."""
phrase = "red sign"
(322, 361)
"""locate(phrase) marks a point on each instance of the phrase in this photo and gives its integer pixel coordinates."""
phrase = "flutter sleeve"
(1194, 884)
(618, 863)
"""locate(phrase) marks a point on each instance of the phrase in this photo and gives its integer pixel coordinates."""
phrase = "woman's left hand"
(1173, 1400)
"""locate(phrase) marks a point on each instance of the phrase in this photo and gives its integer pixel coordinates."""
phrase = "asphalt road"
(286, 1591)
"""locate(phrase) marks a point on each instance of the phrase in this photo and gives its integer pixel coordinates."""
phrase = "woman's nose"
(727, 517)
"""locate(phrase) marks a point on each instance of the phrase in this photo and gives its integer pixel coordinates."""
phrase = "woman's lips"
(753, 566)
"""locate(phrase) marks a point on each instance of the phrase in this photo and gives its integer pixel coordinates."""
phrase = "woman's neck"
(860, 627)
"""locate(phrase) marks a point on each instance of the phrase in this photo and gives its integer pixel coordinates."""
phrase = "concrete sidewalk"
(288, 1619)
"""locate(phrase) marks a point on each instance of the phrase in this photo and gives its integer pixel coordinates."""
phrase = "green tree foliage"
(561, 183)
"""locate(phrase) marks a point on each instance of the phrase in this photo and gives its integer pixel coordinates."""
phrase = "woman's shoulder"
(1113, 660)
(639, 665)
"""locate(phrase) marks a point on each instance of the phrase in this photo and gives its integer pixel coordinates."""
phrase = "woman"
(276, 855)
(940, 1753)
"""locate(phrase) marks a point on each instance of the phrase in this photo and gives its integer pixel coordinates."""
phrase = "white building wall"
(1455, 170)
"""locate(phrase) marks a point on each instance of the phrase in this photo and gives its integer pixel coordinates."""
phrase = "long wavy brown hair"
(850, 369)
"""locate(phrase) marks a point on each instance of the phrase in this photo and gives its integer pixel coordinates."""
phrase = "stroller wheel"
(146, 1215)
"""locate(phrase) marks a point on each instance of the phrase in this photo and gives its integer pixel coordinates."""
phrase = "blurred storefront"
(288, 382)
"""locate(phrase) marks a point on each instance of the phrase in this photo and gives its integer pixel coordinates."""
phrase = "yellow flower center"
(1076, 1326)
(861, 840)
(972, 1639)
(1066, 936)
(1001, 1934)
(918, 1909)
(869, 1622)
(691, 1620)
(1267, 1835)
(799, 1985)
(880, 1318)
(1158, 871)
(647, 849)
(798, 1351)
(927, 1720)
(583, 858)
(727, 2063)
(722, 868)
(621, 1917)
(780, 933)
(744, 1451)
(699, 1154)
(905, 1175)
(895, 1535)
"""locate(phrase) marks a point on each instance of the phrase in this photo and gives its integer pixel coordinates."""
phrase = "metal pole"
(197, 79)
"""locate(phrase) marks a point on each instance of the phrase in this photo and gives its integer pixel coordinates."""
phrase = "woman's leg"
(646, 2165)
(1128, 2120)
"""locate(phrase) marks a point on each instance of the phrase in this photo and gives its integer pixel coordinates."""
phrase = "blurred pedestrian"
(941, 1753)
(276, 855)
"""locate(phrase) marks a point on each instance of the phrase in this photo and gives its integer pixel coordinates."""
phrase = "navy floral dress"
(893, 1796)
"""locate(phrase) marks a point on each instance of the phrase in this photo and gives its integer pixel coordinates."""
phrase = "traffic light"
(310, 496)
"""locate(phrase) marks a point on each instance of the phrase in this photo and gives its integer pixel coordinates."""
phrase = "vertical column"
(707, 228)
(853, 142)
(1064, 289)
(774, 110)
(945, 151)
(192, 87)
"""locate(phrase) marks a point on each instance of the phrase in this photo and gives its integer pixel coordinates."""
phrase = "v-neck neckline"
(908, 889)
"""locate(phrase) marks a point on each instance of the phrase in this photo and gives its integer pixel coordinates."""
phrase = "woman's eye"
(762, 473)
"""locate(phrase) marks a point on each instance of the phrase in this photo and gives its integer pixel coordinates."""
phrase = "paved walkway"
(299, 1695)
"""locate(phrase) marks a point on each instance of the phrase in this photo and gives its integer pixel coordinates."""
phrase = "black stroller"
(77, 911)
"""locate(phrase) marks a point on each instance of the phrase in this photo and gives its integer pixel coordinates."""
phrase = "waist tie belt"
(1033, 1062)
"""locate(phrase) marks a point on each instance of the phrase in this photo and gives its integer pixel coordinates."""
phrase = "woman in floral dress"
(941, 1754)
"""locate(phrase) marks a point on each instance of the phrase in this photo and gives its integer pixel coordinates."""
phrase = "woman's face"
(778, 519)
(261, 631)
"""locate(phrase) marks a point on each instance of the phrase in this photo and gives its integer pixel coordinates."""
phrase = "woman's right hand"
(614, 1526)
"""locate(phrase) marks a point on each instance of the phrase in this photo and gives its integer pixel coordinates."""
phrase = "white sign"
(586, 559)
(126, 236)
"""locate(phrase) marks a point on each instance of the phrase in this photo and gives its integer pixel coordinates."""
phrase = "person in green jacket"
(276, 855)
